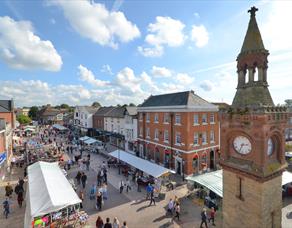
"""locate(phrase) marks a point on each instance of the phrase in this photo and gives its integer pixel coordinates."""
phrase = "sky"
(123, 51)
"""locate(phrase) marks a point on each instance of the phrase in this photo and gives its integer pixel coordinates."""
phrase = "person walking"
(78, 177)
(170, 206)
(88, 163)
(177, 211)
(81, 196)
(149, 189)
(20, 181)
(8, 190)
(99, 222)
(6, 207)
(116, 223)
(121, 186)
(20, 198)
(98, 178)
(139, 184)
(124, 225)
(128, 185)
(92, 192)
(108, 224)
(99, 200)
(152, 198)
(212, 216)
(105, 176)
(204, 218)
(83, 179)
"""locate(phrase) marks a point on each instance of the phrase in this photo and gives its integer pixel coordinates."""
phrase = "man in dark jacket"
(83, 179)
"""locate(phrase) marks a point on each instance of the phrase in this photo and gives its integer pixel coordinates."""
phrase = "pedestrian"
(170, 206)
(104, 191)
(20, 181)
(149, 189)
(99, 178)
(152, 198)
(121, 186)
(204, 218)
(83, 179)
(6, 206)
(81, 196)
(92, 192)
(212, 216)
(99, 200)
(108, 224)
(20, 198)
(99, 222)
(139, 184)
(124, 225)
(105, 176)
(177, 211)
(116, 223)
(128, 185)
(78, 177)
(8, 190)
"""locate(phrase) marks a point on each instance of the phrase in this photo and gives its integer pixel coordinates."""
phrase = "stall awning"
(59, 127)
(2, 157)
(90, 141)
(141, 164)
(214, 181)
(84, 138)
(48, 190)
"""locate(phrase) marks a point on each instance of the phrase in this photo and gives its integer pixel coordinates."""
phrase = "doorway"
(212, 159)
(178, 167)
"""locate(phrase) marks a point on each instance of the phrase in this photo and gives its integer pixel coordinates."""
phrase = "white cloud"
(20, 48)
(87, 76)
(106, 69)
(199, 35)
(207, 85)
(127, 80)
(92, 20)
(160, 72)
(164, 32)
(184, 79)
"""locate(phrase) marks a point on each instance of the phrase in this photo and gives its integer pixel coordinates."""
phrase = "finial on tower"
(252, 11)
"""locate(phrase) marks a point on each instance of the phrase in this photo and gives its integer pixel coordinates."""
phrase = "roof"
(253, 39)
(6, 105)
(42, 195)
(91, 109)
(131, 110)
(141, 164)
(214, 180)
(187, 99)
(102, 111)
(117, 112)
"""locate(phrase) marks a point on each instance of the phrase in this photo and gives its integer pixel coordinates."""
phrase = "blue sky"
(122, 51)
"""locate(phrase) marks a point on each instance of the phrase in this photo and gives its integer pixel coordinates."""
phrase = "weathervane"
(252, 11)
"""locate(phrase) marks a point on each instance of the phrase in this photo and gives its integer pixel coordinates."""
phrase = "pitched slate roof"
(91, 109)
(117, 112)
(6, 105)
(186, 99)
(102, 111)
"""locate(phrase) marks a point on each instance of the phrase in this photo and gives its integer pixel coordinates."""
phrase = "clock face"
(242, 145)
(270, 147)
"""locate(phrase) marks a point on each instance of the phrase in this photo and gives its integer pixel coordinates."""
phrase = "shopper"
(128, 185)
(99, 222)
(78, 177)
(121, 186)
(6, 207)
(92, 192)
(152, 198)
(99, 200)
(124, 225)
(212, 216)
(83, 179)
(170, 206)
(149, 189)
(108, 224)
(20, 198)
(81, 196)
(204, 218)
(8, 190)
(116, 223)
(177, 211)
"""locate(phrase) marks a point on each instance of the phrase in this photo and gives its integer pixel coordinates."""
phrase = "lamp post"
(183, 167)
(118, 156)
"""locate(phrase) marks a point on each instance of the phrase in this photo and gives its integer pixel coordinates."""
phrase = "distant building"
(83, 118)
(179, 131)
(21, 111)
(288, 134)
(50, 115)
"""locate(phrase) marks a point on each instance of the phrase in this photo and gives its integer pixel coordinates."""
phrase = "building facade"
(179, 131)
(253, 142)
(288, 132)
(83, 118)
(131, 130)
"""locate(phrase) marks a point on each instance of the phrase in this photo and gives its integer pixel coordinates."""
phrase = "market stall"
(84, 138)
(59, 127)
(47, 204)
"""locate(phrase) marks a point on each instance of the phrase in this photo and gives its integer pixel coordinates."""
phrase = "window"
(177, 138)
(85, 116)
(166, 118)
(148, 132)
(156, 134)
(212, 118)
(147, 117)
(81, 116)
(166, 135)
(141, 131)
(196, 119)
(141, 116)
(76, 114)
(204, 118)
(85, 124)
(212, 136)
(196, 139)
(177, 119)
(204, 138)
(156, 118)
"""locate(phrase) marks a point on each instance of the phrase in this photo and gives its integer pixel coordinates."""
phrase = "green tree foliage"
(132, 105)
(96, 104)
(65, 106)
(33, 112)
(22, 119)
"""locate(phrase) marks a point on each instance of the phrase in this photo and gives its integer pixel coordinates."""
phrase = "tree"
(22, 119)
(65, 106)
(96, 104)
(288, 102)
(132, 105)
(33, 112)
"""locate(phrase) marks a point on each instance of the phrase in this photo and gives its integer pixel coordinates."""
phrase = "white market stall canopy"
(84, 138)
(214, 180)
(90, 141)
(59, 127)
(141, 164)
(48, 191)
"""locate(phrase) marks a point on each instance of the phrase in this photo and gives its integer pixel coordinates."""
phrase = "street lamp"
(183, 167)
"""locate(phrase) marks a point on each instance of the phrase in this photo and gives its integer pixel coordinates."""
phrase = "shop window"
(204, 161)
(157, 156)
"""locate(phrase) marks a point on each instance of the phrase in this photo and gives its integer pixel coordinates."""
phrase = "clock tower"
(252, 142)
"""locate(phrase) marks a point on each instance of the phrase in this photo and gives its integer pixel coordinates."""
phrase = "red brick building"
(179, 131)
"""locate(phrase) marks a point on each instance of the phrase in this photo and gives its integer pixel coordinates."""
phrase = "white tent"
(48, 191)
(59, 127)
(214, 180)
(90, 141)
(84, 138)
(141, 164)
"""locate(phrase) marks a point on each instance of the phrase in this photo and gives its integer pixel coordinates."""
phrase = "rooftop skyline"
(118, 52)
